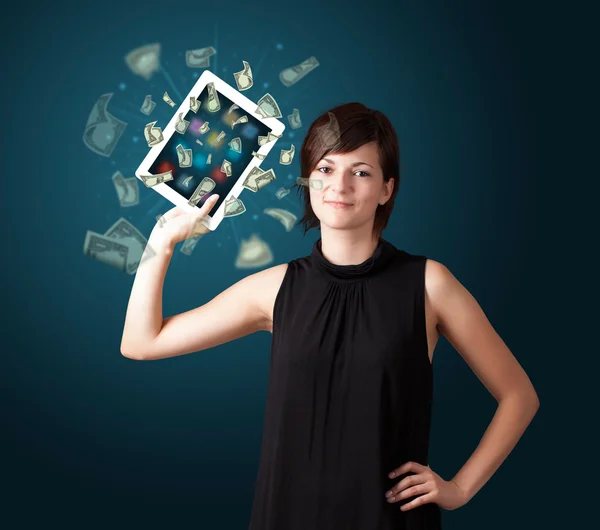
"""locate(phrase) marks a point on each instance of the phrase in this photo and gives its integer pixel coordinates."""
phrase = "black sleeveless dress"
(349, 395)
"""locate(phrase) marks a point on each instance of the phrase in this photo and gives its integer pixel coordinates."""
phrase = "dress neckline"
(352, 273)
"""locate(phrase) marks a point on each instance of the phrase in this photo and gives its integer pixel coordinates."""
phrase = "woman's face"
(355, 178)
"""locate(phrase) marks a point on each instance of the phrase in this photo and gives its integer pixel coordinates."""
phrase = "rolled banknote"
(206, 186)
(213, 104)
(316, 184)
(293, 74)
(152, 180)
(167, 99)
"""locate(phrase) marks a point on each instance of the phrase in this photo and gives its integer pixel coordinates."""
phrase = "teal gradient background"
(93, 439)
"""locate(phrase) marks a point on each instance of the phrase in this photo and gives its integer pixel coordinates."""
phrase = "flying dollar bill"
(144, 61)
(204, 128)
(267, 107)
(125, 233)
(243, 119)
(293, 74)
(294, 119)
(281, 193)
(213, 104)
(219, 138)
(226, 167)
(199, 58)
(329, 134)
(233, 206)
(262, 140)
(181, 125)
(153, 134)
(244, 79)
(167, 99)
(184, 156)
(315, 184)
(206, 186)
(254, 253)
(106, 250)
(189, 244)
(286, 157)
(152, 180)
(258, 179)
(194, 104)
(287, 219)
(102, 130)
(127, 189)
(148, 105)
(236, 145)
(258, 155)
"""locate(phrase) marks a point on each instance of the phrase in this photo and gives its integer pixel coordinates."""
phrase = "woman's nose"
(341, 181)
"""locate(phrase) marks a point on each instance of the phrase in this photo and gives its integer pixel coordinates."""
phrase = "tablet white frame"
(277, 127)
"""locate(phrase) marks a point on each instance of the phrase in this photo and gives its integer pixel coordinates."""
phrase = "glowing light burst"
(195, 124)
(250, 131)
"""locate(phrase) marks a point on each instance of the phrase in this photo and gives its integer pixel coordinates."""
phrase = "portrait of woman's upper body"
(354, 326)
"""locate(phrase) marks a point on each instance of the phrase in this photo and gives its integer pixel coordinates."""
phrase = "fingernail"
(392, 474)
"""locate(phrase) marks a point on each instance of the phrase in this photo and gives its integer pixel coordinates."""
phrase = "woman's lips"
(338, 204)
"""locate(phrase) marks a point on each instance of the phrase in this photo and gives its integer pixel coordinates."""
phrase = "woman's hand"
(176, 224)
(428, 486)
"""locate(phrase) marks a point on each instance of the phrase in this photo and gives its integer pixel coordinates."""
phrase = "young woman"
(354, 324)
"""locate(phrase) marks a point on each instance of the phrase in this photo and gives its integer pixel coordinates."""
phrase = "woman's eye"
(364, 173)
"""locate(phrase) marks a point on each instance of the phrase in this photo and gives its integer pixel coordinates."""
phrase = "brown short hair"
(342, 130)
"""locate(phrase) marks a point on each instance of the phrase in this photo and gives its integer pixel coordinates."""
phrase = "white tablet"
(207, 147)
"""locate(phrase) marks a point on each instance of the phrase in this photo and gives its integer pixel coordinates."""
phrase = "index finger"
(406, 467)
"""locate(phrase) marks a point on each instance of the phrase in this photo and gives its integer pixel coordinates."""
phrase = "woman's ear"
(389, 185)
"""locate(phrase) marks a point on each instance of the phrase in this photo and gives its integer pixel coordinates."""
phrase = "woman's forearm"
(144, 318)
(513, 415)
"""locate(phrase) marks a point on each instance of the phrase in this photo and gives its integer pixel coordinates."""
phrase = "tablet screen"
(186, 179)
